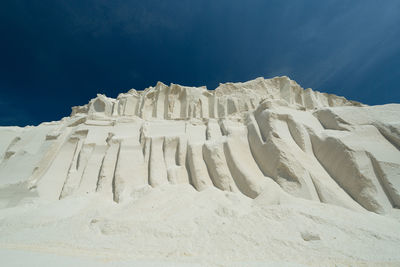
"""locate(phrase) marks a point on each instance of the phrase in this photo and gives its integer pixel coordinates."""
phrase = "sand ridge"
(250, 173)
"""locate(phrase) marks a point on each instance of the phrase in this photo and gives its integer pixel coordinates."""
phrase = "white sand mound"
(256, 173)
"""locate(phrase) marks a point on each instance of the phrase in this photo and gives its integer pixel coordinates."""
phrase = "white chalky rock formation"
(256, 172)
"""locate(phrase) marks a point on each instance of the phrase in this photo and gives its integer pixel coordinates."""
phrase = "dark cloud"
(56, 54)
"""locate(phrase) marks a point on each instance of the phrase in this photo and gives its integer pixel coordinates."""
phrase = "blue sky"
(57, 54)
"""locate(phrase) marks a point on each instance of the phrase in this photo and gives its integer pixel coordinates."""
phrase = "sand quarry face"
(261, 173)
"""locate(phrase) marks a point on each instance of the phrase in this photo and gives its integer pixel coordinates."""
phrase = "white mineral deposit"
(260, 173)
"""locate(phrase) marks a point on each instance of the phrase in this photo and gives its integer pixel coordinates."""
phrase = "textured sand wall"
(240, 138)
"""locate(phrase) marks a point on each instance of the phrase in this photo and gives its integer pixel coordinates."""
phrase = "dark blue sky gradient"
(57, 54)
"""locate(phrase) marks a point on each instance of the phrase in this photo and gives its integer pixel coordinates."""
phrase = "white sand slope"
(256, 173)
